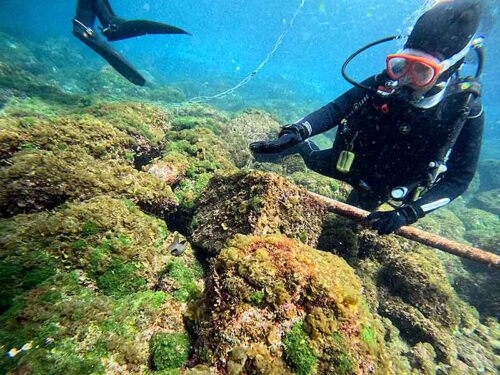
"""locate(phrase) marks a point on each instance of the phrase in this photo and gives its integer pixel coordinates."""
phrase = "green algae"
(57, 311)
(185, 279)
(111, 249)
(93, 304)
(262, 276)
(169, 350)
(298, 352)
(120, 279)
(105, 290)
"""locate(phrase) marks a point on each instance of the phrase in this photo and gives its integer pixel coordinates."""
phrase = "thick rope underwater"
(247, 79)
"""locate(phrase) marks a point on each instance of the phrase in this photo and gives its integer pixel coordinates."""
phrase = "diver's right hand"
(286, 140)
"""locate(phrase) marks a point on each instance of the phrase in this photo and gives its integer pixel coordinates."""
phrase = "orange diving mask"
(420, 71)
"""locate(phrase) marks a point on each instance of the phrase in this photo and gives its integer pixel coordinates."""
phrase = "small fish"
(12, 353)
(177, 248)
(27, 347)
(47, 341)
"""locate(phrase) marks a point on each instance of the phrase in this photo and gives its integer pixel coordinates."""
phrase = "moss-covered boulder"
(321, 185)
(408, 285)
(276, 306)
(247, 127)
(111, 241)
(146, 123)
(444, 222)
(21, 84)
(189, 159)
(96, 290)
(255, 203)
(309, 180)
(192, 116)
(68, 328)
(37, 180)
(415, 328)
(97, 138)
(419, 279)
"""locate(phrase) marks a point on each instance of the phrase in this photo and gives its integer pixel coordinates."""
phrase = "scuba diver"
(114, 28)
(409, 138)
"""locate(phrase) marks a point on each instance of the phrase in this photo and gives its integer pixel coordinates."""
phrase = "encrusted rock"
(255, 203)
(276, 306)
(38, 180)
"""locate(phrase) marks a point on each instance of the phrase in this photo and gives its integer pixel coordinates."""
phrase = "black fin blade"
(130, 29)
(116, 60)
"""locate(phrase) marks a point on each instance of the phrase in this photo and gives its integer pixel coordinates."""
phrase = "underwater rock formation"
(38, 180)
(489, 171)
(249, 126)
(254, 203)
(276, 306)
(92, 288)
(24, 84)
(89, 283)
(408, 285)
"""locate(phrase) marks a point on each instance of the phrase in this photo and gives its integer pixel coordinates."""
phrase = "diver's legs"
(104, 12)
(85, 12)
(116, 28)
(91, 39)
(83, 29)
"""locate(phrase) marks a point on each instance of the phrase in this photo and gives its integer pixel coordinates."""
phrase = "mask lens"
(397, 66)
(423, 74)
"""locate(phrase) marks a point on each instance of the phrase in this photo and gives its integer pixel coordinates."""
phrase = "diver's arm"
(329, 116)
(317, 122)
(462, 165)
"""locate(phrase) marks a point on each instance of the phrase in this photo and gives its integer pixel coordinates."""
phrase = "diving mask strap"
(448, 63)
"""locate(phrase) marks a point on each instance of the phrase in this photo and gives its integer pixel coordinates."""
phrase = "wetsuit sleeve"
(462, 165)
(329, 116)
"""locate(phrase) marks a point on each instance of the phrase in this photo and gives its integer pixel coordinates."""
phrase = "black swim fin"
(119, 29)
(88, 36)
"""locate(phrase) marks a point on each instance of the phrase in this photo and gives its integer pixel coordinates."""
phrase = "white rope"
(247, 79)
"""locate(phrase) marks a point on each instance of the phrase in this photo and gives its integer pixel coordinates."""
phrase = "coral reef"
(254, 203)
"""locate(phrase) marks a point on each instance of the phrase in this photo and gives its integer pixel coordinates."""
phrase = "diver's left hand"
(390, 221)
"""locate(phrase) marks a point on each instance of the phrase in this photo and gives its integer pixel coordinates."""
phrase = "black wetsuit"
(395, 142)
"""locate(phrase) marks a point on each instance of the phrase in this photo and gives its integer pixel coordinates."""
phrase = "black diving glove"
(390, 221)
(290, 135)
